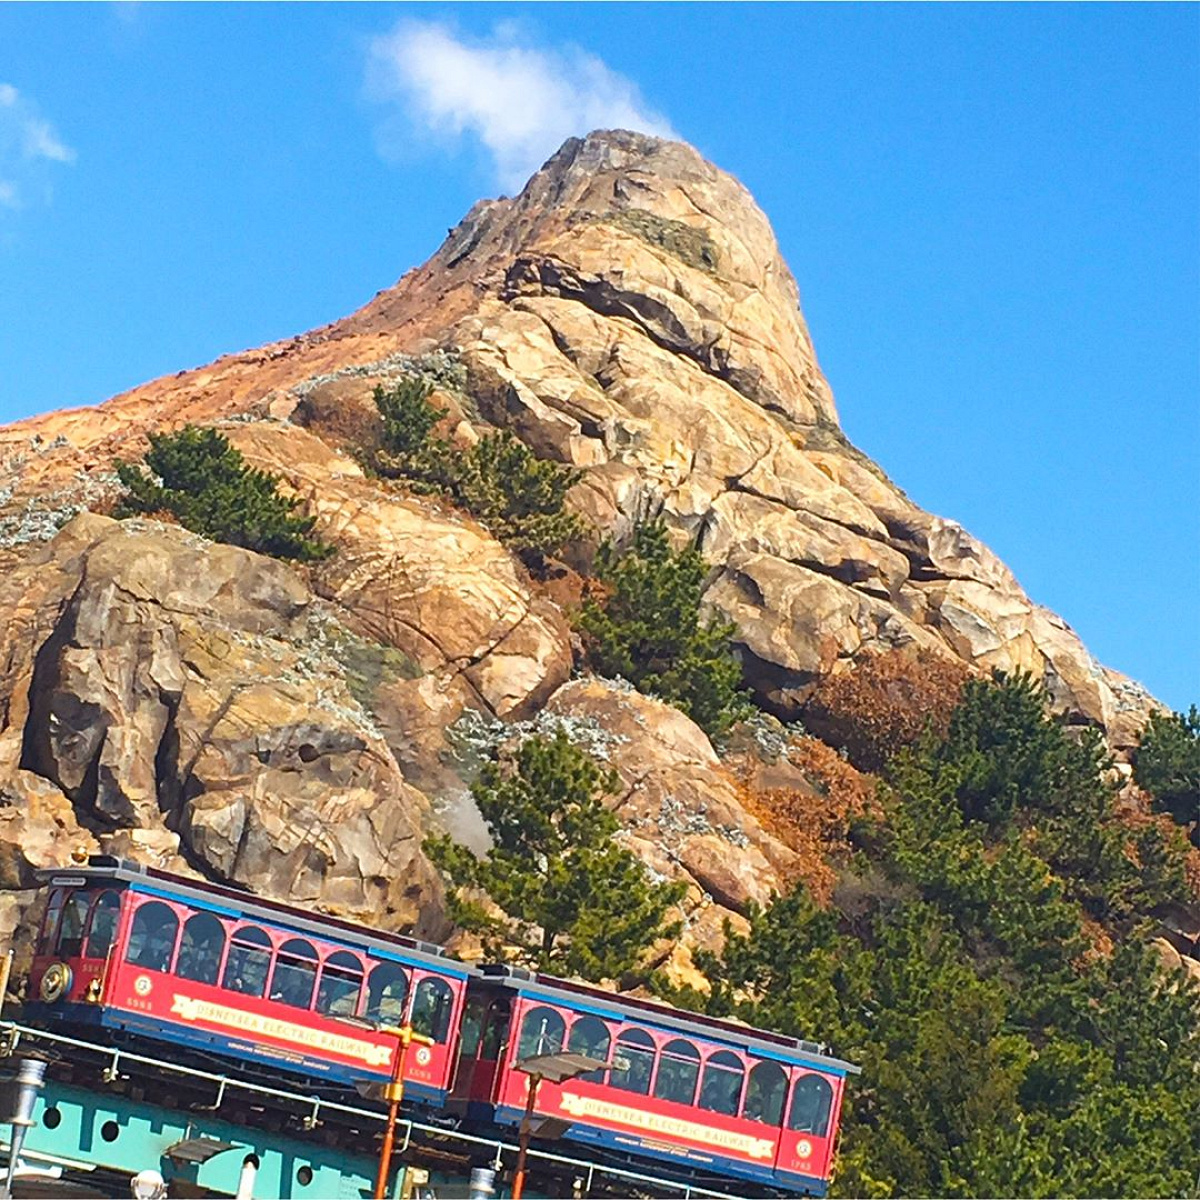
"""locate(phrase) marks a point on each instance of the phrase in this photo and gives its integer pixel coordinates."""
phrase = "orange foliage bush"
(885, 703)
(814, 824)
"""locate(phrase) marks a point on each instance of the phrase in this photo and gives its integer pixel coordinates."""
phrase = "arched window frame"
(244, 938)
(766, 1068)
(382, 968)
(592, 1047)
(643, 1047)
(330, 968)
(802, 1121)
(543, 1031)
(721, 1064)
(294, 973)
(139, 915)
(199, 917)
(673, 1060)
(441, 1014)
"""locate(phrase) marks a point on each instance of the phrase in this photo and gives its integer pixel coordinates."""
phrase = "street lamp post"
(557, 1068)
(394, 1093)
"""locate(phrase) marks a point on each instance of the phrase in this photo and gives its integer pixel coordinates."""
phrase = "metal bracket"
(220, 1097)
(9, 1039)
(112, 1072)
(313, 1119)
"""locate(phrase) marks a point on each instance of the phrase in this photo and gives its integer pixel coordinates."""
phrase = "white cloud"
(28, 142)
(519, 101)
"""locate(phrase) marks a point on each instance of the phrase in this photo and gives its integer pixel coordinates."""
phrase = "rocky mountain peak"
(628, 313)
(654, 234)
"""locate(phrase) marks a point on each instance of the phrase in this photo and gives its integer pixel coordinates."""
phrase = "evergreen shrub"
(645, 626)
(1167, 765)
(195, 475)
(570, 897)
(519, 497)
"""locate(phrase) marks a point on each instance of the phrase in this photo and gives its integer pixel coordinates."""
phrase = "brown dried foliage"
(346, 423)
(1139, 816)
(1100, 944)
(884, 704)
(815, 824)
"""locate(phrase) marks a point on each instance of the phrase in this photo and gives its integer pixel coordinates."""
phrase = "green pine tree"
(572, 899)
(521, 498)
(648, 629)
(1167, 765)
(1010, 1044)
(516, 495)
(198, 477)
(408, 418)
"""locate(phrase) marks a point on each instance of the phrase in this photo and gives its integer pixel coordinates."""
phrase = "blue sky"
(991, 210)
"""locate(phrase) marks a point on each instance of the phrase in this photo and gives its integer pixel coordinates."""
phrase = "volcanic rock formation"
(628, 313)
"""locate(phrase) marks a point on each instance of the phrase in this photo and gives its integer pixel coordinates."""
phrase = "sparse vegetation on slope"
(197, 477)
(645, 626)
(570, 898)
(521, 498)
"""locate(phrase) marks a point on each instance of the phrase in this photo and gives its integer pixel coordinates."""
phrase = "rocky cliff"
(299, 731)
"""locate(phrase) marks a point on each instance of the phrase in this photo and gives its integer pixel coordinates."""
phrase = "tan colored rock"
(628, 313)
(160, 689)
(418, 576)
(680, 807)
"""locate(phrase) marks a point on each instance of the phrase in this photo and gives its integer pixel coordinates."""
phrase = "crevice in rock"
(36, 753)
(777, 690)
(184, 774)
(551, 277)
(166, 756)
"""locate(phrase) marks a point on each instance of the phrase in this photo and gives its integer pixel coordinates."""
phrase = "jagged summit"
(203, 708)
(698, 266)
(629, 312)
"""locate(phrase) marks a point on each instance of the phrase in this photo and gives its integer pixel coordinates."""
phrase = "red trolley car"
(712, 1097)
(219, 973)
(145, 952)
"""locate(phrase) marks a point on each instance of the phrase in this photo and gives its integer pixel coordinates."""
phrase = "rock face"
(163, 699)
(628, 313)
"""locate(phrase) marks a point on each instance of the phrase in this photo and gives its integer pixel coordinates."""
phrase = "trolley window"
(105, 910)
(633, 1062)
(431, 1009)
(812, 1100)
(387, 990)
(70, 928)
(341, 982)
(721, 1087)
(765, 1094)
(542, 1032)
(678, 1072)
(249, 961)
(295, 973)
(50, 921)
(200, 949)
(152, 937)
(590, 1036)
